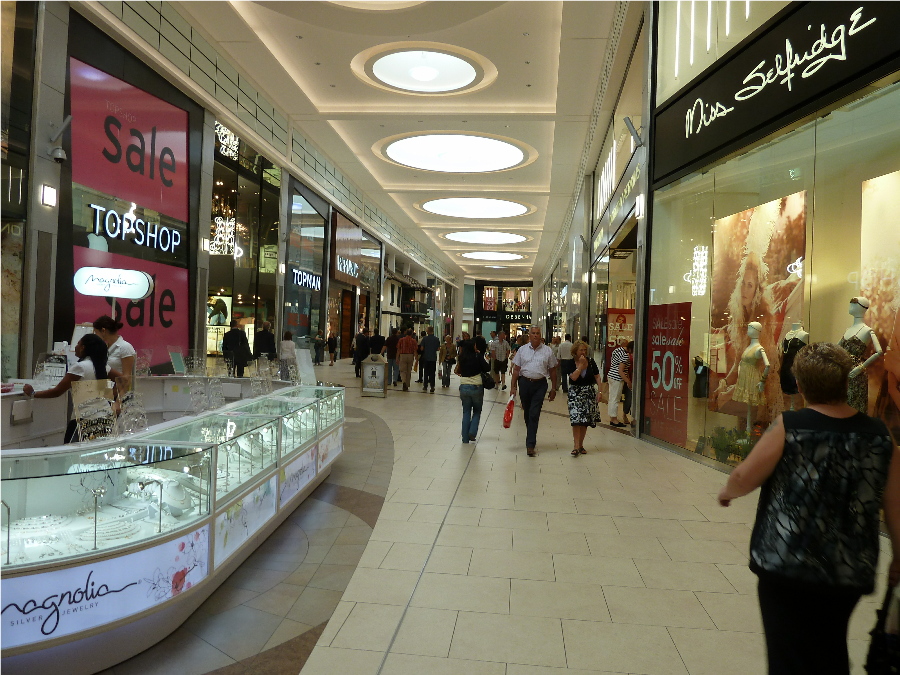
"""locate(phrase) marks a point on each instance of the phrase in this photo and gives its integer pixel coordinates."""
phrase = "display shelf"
(299, 420)
(329, 399)
(99, 496)
(246, 446)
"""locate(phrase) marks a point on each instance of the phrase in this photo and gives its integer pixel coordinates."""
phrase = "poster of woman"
(757, 275)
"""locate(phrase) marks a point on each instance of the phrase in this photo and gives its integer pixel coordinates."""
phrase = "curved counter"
(109, 546)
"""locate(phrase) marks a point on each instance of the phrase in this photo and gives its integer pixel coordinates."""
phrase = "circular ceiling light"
(474, 207)
(492, 255)
(482, 237)
(424, 71)
(455, 153)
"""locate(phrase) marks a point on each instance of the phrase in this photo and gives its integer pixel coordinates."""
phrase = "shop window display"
(763, 254)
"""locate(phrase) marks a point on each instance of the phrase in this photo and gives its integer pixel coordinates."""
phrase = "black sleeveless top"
(818, 516)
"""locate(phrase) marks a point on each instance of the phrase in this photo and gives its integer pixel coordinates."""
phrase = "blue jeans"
(472, 396)
(393, 371)
(532, 396)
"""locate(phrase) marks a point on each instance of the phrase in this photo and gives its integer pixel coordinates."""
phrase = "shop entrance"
(614, 288)
(347, 327)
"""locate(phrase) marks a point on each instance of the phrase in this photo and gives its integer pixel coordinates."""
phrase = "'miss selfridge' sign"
(817, 53)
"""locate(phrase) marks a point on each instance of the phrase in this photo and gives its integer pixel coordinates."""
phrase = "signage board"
(666, 388)
(812, 55)
(346, 251)
(308, 280)
(62, 602)
(109, 282)
(330, 447)
(619, 331)
(155, 322)
(128, 143)
(240, 521)
(297, 475)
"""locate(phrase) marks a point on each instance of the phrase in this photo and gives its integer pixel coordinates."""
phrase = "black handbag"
(487, 380)
(884, 649)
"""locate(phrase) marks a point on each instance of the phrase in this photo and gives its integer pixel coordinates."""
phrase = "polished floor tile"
(466, 593)
(622, 648)
(425, 632)
(712, 652)
(509, 639)
(656, 607)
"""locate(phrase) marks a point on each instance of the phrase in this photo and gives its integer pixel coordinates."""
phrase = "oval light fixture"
(474, 207)
(424, 71)
(455, 153)
(496, 267)
(483, 237)
(491, 255)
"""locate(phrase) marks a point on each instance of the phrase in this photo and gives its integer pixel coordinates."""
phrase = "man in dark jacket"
(264, 343)
(431, 345)
(376, 343)
(362, 350)
(236, 347)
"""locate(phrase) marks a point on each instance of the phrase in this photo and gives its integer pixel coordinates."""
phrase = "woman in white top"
(92, 365)
(287, 351)
(120, 354)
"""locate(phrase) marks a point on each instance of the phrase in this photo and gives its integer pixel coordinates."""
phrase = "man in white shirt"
(532, 365)
(566, 364)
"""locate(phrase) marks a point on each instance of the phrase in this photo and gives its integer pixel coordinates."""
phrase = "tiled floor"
(483, 561)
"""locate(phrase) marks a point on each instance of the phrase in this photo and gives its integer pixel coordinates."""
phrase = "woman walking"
(584, 395)
(825, 472)
(332, 346)
(447, 359)
(469, 366)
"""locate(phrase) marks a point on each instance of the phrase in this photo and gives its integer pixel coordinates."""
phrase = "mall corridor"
(484, 561)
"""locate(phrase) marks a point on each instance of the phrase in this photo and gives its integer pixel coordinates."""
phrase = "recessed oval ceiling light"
(424, 71)
(492, 255)
(496, 267)
(474, 207)
(482, 237)
(455, 153)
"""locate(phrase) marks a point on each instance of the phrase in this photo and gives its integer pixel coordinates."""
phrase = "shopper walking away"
(236, 347)
(287, 352)
(420, 365)
(469, 366)
(430, 348)
(376, 343)
(618, 377)
(406, 353)
(362, 350)
(264, 342)
(566, 364)
(501, 360)
(533, 364)
(120, 354)
(332, 346)
(584, 395)
(447, 359)
(389, 351)
(825, 472)
(319, 348)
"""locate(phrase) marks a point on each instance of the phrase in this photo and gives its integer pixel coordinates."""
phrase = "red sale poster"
(667, 367)
(619, 332)
(127, 143)
(159, 320)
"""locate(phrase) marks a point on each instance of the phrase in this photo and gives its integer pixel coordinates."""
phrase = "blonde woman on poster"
(766, 288)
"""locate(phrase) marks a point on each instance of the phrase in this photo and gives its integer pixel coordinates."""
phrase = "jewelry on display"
(144, 484)
(97, 492)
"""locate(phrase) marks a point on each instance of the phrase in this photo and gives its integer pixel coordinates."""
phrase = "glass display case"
(246, 446)
(330, 402)
(99, 496)
(298, 419)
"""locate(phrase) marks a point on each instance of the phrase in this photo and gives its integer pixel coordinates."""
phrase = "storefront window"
(303, 273)
(784, 235)
(17, 37)
(243, 244)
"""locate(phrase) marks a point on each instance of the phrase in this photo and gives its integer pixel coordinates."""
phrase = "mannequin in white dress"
(749, 388)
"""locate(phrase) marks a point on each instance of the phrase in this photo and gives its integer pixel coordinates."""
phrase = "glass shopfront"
(785, 234)
(501, 307)
(303, 283)
(243, 240)
(17, 35)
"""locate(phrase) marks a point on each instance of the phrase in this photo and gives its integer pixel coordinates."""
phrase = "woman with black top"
(92, 365)
(584, 395)
(825, 473)
(332, 346)
(469, 366)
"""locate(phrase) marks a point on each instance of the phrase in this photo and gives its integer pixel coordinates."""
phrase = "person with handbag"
(533, 365)
(825, 472)
(447, 359)
(470, 367)
(584, 395)
(236, 346)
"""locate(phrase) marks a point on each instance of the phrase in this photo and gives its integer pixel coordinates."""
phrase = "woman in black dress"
(584, 395)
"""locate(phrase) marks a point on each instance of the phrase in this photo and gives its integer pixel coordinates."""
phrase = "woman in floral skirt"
(584, 395)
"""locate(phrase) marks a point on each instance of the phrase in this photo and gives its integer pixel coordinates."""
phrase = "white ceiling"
(548, 56)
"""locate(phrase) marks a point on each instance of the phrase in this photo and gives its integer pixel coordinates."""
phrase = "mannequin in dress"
(794, 340)
(856, 341)
(750, 384)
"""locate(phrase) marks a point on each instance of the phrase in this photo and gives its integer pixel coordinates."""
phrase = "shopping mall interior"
(240, 203)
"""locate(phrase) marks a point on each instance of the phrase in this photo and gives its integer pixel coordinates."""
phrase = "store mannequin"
(795, 340)
(856, 341)
(750, 385)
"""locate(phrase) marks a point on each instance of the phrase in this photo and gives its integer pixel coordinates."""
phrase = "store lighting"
(455, 153)
(48, 195)
(497, 267)
(474, 207)
(491, 255)
(426, 72)
(482, 237)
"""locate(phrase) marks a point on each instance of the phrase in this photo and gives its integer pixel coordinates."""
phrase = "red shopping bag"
(508, 414)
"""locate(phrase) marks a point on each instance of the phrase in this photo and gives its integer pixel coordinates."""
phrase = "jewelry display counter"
(109, 546)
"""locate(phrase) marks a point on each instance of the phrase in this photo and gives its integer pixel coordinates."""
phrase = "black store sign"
(517, 317)
(813, 55)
